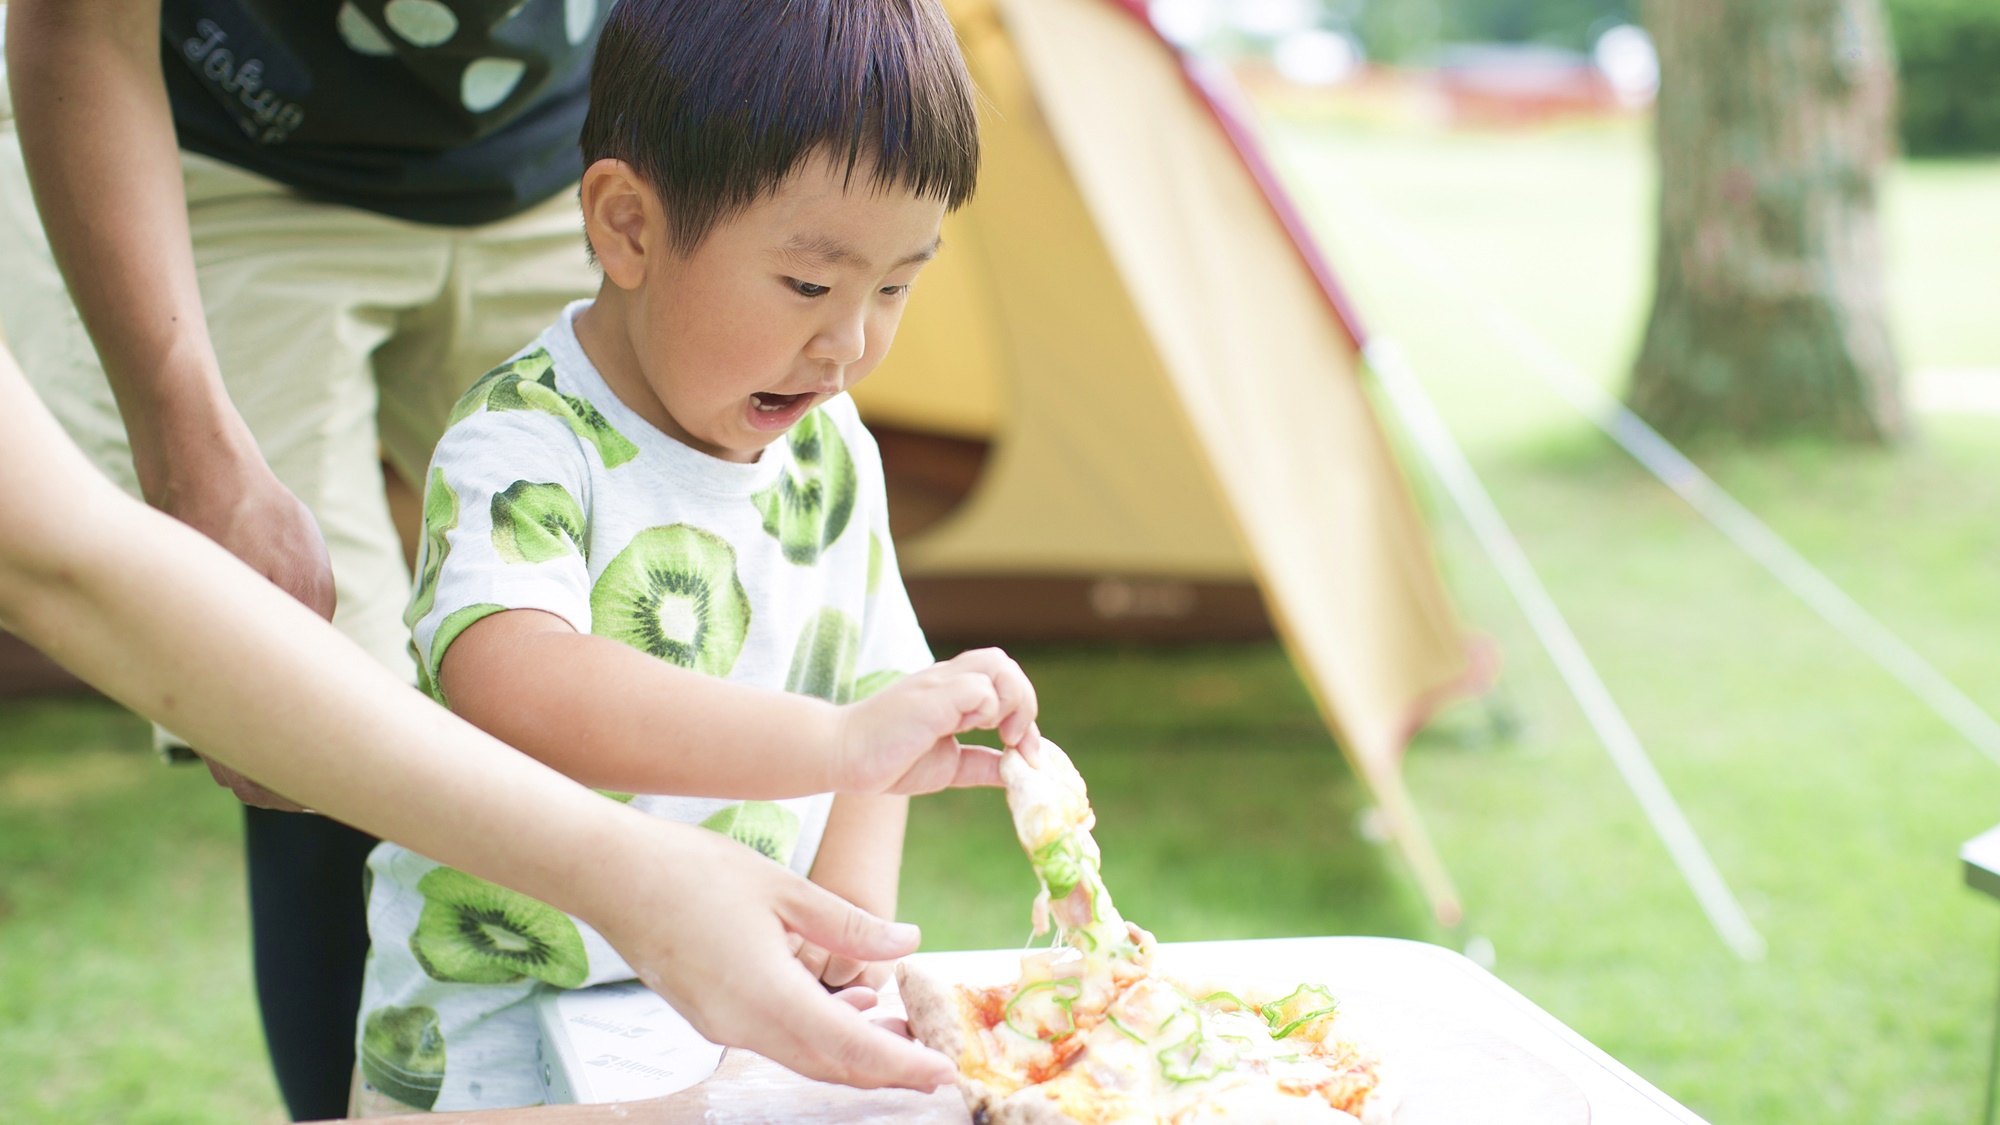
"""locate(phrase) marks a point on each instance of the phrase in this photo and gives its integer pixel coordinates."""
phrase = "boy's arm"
(860, 859)
(613, 717)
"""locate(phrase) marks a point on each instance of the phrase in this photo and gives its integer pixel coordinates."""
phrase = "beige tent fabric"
(1168, 390)
(1094, 470)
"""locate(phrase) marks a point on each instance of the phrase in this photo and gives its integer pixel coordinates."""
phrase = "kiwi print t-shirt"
(548, 493)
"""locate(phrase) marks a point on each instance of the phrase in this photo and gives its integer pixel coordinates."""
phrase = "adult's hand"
(711, 926)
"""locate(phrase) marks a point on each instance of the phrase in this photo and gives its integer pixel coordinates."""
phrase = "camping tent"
(1132, 319)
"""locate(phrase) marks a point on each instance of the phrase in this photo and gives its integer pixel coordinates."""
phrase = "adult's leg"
(508, 281)
(311, 939)
(298, 296)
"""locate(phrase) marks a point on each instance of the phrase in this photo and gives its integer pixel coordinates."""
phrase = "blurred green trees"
(1950, 58)
(1949, 50)
(1407, 30)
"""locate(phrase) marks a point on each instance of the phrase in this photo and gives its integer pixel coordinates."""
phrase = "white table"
(1981, 857)
(1402, 975)
(1418, 972)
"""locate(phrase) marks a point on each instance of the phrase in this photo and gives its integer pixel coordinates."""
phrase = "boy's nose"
(840, 345)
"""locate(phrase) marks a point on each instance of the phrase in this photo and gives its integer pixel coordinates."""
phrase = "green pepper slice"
(1062, 992)
(1306, 1003)
(1060, 864)
(1195, 1059)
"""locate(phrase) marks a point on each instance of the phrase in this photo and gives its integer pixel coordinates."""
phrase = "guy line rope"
(1673, 469)
(1428, 430)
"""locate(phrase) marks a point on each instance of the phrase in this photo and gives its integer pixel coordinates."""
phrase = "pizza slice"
(1090, 1034)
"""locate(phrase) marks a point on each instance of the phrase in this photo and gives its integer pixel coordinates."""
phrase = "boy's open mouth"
(770, 402)
(770, 410)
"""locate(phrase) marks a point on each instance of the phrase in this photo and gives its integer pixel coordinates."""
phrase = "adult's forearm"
(612, 717)
(98, 138)
(202, 660)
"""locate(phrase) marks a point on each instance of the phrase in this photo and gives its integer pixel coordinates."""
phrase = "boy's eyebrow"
(826, 250)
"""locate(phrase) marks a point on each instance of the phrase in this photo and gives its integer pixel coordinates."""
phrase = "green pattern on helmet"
(475, 932)
(874, 563)
(403, 1054)
(673, 592)
(533, 523)
(823, 660)
(769, 828)
(808, 506)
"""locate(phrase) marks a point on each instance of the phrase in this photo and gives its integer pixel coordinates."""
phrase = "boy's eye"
(894, 290)
(807, 288)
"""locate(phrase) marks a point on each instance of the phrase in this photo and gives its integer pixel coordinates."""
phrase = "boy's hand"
(903, 739)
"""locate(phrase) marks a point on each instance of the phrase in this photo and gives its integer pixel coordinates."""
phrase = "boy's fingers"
(1015, 693)
(973, 696)
(1031, 746)
(978, 767)
(840, 927)
(948, 765)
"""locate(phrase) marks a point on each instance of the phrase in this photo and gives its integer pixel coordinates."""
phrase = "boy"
(666, 508)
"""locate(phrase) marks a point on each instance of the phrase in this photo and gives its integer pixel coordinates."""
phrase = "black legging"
(309, 929)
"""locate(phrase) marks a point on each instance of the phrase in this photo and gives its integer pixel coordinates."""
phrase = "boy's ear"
(622, 219)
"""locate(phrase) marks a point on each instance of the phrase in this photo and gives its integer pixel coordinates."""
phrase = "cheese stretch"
(1090, 1026)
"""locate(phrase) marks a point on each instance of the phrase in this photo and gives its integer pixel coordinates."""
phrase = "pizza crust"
(937, 1020)
(932, 1005)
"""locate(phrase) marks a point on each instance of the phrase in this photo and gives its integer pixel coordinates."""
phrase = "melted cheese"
(1091, 1028)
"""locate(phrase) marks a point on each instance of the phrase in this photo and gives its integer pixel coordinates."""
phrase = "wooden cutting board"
(1450, 1070)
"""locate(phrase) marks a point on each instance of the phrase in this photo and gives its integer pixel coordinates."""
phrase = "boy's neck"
(611, 334)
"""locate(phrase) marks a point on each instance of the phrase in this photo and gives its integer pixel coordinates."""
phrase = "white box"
(615, 1043)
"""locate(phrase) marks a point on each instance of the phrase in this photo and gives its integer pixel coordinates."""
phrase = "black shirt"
(440, 111)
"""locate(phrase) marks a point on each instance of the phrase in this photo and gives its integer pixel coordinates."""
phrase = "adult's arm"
(90, 105)
(171, 625)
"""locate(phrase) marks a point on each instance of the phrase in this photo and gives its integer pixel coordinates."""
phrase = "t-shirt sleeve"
(892, 643)
(504, 528)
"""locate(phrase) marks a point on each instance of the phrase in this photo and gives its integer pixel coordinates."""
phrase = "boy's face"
(782, 305)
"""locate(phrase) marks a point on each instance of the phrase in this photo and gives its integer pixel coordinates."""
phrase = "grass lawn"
(1830, 799)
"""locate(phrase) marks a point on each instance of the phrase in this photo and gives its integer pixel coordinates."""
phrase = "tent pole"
(1447, 460)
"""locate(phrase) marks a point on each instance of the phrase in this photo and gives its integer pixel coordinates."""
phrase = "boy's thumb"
(838, 926)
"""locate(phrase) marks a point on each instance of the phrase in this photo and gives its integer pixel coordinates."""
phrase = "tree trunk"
(1774, 120)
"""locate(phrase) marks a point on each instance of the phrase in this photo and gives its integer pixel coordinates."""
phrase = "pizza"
(1090, 1034)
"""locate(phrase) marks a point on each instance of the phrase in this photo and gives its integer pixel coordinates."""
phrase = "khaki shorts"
(344, 339)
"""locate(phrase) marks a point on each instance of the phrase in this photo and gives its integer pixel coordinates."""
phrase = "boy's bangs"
(716, 101)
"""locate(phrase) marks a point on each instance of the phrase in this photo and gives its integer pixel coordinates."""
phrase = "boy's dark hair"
(715, 101)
